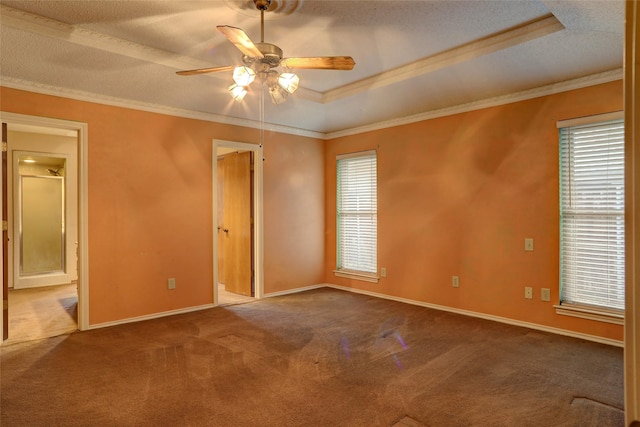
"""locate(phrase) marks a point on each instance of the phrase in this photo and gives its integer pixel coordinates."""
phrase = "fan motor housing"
(272, 55)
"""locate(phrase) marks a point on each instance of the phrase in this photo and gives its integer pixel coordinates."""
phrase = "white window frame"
(361, 262)
(573, 302)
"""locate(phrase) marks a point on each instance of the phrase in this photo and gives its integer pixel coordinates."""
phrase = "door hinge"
(4, 147)
(5, 225)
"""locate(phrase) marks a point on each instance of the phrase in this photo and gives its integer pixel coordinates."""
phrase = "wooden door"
(220, 213)
(5, 239)
(236, 233)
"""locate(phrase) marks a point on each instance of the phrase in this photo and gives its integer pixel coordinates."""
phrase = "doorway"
(44, 202)
(237, 222)
(44, 282)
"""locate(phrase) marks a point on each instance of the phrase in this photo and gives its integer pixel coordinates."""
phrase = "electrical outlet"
(455, 281)
(383, 272)
(528, 292)
(171, 283)
(528, 244)
(545, 294)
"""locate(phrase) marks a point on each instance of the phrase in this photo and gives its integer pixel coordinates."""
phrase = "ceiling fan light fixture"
(262, 60)
(289, 82)
(238, 92)
(278, 94)
(243, 75)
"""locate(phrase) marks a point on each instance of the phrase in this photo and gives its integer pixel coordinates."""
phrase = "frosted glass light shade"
(278, 94)
(243, 76)
(237, 92)
(289, 82)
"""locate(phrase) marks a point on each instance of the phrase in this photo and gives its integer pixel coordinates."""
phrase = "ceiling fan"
(261, 60)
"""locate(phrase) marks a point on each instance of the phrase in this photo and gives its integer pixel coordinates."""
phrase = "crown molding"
(579, 83)
(58, 30)
(514, 36)
(152, 108)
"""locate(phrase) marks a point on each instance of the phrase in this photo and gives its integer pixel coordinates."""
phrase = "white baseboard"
(190, 309)
(558, 331)
(294, 291)
(151, 316)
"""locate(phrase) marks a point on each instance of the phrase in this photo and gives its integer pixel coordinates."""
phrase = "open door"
(220, 214)
(5, 239)
(236, 229)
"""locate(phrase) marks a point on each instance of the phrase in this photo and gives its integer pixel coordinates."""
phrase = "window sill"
(591, 313)
(357, 275)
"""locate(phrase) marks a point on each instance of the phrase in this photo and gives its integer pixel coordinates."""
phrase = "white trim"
(499, 319)
(552, 89)
(81, 36)
(484, 46)
(293, 291)
(587, 120)
(555, 88)
(365, 277)
(608, 316)
(150, 316)
(258, 214)
(83, 201)
(191, 309)
(356, 154)
(151, 108)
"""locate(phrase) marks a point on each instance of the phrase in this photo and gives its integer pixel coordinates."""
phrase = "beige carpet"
(316, 358)
(42, 312)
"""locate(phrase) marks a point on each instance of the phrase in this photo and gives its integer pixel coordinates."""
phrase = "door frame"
(258, 231)
(83, 202)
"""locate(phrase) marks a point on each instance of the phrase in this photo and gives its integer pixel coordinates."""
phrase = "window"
(592, 215)
(357, 216)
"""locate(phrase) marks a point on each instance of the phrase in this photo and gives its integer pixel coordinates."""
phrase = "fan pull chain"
(262, 116)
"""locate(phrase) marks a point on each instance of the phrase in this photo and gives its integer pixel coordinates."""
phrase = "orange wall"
(150, 205)
(458, 195)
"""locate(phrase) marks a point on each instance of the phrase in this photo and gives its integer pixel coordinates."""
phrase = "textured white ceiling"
(412, 57)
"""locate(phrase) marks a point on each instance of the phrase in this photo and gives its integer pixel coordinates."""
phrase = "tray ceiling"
(413, 58)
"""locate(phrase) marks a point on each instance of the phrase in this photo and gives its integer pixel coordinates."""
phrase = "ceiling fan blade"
(204, 70)
(242, 41)
(322, 63)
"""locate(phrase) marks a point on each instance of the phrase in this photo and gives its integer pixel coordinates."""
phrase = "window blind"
(357, 216)
(592, 214)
